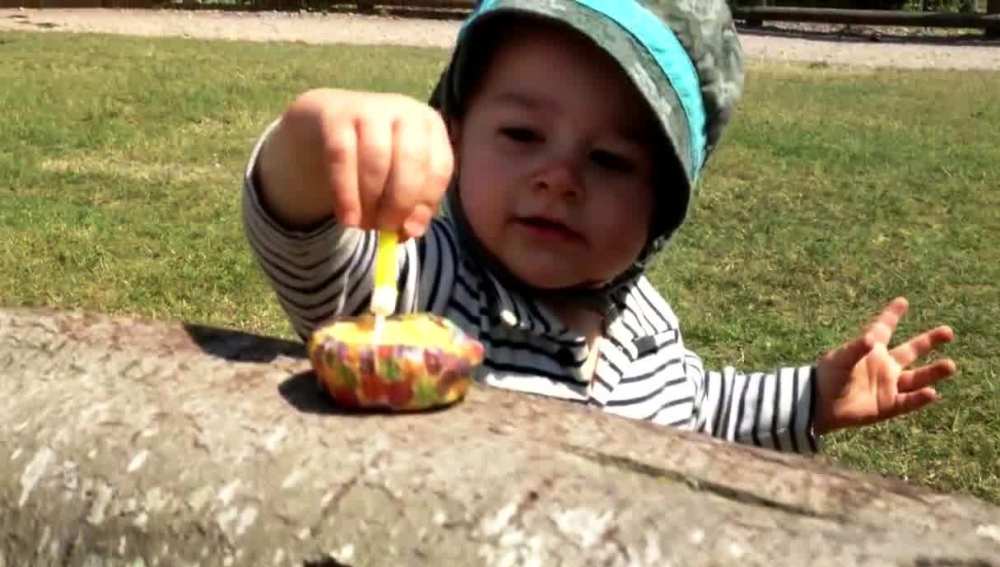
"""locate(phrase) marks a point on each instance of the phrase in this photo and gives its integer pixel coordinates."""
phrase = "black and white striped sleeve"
(319, 272)
(766, 409)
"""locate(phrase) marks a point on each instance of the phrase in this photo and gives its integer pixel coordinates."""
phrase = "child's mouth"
(548, 229)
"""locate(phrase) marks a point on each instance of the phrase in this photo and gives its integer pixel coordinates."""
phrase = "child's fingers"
(886, 381)
(908, 352)
(341, 162)
(442, 156)
(851, 352)
(375, 154)
(912, 401)
(408, 173)
(440, 166)
(884, 325)
(926, 375)
(416, 224)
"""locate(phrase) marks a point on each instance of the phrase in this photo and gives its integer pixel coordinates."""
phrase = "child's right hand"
(373, 160)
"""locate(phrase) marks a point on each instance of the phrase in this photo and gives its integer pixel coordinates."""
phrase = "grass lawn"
(836, 189)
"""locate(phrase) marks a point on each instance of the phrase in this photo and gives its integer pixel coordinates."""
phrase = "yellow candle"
(384, 295)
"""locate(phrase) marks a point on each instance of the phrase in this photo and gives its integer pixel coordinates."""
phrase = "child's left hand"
(864, 382)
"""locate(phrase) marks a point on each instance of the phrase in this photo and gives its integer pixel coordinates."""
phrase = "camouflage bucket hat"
(683, 56)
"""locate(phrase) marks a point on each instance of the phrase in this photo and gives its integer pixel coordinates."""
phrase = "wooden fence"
(755, 16)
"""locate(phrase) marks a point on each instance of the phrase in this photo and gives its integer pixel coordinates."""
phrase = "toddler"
(565, 141)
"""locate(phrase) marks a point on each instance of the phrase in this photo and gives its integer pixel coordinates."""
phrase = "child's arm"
(861, 382)
(336, 162)
(772, 409)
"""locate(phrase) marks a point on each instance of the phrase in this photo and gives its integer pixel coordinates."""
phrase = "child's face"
(555, 161)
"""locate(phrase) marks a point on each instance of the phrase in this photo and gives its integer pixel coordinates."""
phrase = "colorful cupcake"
(416, 362)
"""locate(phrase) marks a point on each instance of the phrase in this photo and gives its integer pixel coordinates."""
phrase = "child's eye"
(520, 134)
(612, 161)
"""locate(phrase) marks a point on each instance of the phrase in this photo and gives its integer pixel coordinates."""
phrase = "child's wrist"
(823, 418)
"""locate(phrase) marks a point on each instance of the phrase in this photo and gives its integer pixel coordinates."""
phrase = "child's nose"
(562, 176)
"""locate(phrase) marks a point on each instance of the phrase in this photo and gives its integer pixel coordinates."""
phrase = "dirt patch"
(833, 45)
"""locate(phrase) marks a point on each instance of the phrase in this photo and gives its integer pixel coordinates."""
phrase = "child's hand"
(373, 160)
(864, 382)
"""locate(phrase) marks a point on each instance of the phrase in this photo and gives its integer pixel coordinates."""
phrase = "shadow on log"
(126, 442)
(243, 347)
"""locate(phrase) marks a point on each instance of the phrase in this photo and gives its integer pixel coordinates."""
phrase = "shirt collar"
(510, 309)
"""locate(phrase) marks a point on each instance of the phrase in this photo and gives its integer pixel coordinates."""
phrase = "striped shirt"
(644, 371)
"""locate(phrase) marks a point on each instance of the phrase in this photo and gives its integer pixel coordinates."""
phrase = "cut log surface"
(127, 442)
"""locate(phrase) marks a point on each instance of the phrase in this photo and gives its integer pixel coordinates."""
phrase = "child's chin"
(545, 280)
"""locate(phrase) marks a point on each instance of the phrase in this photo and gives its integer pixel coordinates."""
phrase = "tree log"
(126, 442)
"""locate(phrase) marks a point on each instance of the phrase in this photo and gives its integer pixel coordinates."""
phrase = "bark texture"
(126, 442)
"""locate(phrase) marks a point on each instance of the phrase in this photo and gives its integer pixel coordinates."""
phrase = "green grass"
(835, 190)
